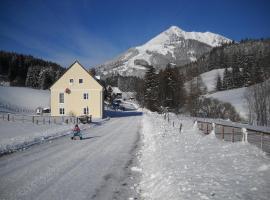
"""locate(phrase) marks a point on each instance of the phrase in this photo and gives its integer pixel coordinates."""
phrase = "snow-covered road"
(94, 168)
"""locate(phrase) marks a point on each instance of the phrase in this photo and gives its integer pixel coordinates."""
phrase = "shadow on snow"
(113, 114)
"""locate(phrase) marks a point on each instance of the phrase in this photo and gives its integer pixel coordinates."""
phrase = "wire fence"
(227, 131)
(15, 109)
(39, 120)
(231, 133)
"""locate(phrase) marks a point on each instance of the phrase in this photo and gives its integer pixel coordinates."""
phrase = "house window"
(86, 111)
(61, 111)
(61, 98)
(80, 80)
(71, 81)
(85, 95)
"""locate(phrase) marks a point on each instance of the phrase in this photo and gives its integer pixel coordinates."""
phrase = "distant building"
(117, 92)
(77, 93)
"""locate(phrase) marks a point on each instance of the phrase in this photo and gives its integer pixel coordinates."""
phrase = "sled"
(76, 138)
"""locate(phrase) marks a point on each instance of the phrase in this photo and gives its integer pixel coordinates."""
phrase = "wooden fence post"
(261, 140)
(206, 128)
(222, 132)
(54, 120)
(33, 119)
(180, 129)
(43, 120)
(233, 134)
(8, 117)
(49, 120)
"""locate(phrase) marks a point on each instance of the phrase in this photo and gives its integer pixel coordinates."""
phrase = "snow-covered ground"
(20, 132)
(189, 165)
(14, 99)
(235, 97)
(18, 135)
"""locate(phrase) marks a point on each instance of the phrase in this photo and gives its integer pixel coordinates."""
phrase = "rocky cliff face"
(171, 46)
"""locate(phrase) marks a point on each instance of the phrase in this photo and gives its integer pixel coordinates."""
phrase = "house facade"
(77, 93)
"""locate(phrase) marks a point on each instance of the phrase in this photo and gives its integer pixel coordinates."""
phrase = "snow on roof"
(116, 90)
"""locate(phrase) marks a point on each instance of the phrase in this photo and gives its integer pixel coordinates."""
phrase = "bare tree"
(258, 99)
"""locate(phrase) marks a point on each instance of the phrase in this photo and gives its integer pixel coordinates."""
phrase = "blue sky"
(94, 31)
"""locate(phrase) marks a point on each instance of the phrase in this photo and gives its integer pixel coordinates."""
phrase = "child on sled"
(76, 132)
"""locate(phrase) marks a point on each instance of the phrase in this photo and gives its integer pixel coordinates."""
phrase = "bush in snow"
(213, 108)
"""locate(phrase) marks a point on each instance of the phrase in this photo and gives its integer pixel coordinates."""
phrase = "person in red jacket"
(76, 132)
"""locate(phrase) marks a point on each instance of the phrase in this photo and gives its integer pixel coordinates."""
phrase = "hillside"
(253, 55)
(25, 70)
(234, 97)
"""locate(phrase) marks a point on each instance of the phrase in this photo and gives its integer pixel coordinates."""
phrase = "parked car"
(40, 110)
(85, 119)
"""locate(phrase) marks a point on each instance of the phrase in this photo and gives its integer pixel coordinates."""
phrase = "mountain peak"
(174, 29)
(208, 38)
(173, 45)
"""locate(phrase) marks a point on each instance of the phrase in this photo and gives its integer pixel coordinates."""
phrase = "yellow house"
(77, 93)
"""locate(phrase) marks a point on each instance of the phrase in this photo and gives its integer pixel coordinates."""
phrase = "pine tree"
(236, 77)
(219, 83)
(227, 79)
(151, 89)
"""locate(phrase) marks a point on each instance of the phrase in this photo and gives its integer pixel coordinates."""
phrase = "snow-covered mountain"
(174, 46)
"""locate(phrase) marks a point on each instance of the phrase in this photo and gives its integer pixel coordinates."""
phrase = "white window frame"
(61, 93)
(86, 111)
(61, 111)
(85, 95)
(80, 81)
(71, 81)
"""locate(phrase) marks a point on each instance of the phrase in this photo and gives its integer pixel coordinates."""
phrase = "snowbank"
(18, 135)
(189, 165)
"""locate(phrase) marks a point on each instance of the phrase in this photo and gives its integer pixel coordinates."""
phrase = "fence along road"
(38, 119)
(235, 133)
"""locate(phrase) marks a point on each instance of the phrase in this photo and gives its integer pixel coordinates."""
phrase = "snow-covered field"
(21, 98)
(235, 97)
(189, 165)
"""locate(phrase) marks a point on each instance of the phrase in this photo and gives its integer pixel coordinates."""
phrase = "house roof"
(76, 61)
